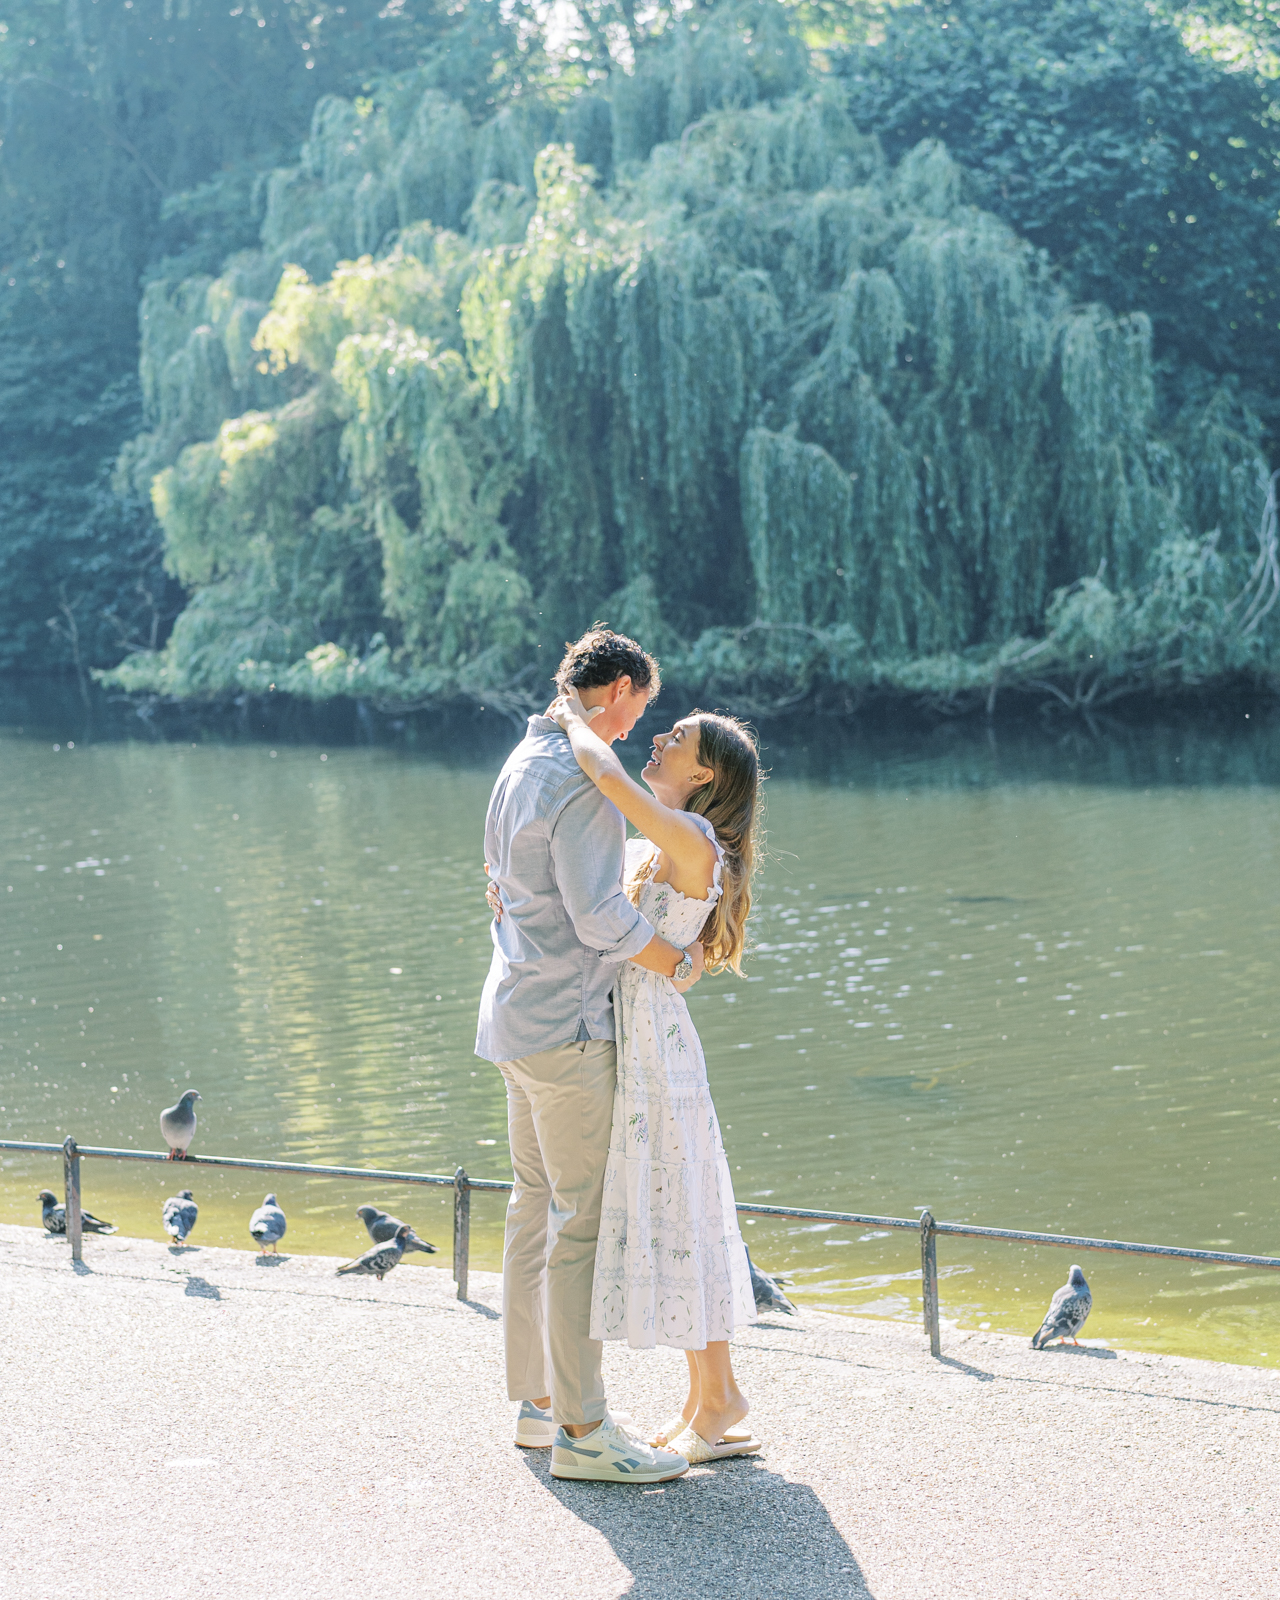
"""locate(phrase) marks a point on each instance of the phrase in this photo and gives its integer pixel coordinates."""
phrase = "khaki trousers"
(559, 1116)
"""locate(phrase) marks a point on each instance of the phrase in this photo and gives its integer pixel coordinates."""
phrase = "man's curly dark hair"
(601, 656)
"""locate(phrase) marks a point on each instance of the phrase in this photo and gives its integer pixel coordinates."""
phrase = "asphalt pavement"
(201, 1422)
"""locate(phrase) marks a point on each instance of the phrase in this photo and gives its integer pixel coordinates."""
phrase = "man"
(554, 848)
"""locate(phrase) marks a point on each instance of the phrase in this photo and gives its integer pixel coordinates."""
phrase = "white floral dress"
(671, 1267)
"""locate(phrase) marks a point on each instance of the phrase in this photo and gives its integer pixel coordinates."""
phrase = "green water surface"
(1026, 978)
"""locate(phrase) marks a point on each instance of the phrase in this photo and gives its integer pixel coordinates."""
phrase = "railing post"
(929, 1281)
(71, 1172)
(461, 1229)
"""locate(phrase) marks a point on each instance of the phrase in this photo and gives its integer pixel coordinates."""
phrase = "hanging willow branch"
(1263, 588)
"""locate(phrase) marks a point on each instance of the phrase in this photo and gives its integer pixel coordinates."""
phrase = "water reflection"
(1023, 978)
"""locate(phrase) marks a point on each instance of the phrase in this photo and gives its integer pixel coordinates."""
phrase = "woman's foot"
(664, 1435)
(730, 1431)
(715, 1422)
(730, 1407)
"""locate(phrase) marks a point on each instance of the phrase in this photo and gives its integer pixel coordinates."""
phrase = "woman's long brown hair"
(730, 803)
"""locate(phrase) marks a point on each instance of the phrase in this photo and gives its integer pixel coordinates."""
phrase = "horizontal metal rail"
(307, 1168)
(1072, 1241)
(854, 1217)
(972, 1231)
(462, 1185)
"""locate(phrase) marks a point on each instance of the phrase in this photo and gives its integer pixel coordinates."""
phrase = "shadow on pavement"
(1080, 1352)
(734, 1529)
(980, 1373)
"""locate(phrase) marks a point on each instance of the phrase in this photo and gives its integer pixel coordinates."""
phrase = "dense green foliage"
(1150, 175)
(795, 414)
(683, 330)
(135, 135)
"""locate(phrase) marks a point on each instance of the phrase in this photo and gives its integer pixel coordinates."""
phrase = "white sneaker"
(534, 1428)
(612, 1455)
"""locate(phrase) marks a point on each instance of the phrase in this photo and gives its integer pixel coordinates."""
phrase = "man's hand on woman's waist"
(657, 956)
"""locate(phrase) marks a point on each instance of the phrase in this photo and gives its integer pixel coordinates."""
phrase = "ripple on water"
(1030, 988)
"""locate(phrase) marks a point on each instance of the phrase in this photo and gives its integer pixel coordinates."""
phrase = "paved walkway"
(196, 1422)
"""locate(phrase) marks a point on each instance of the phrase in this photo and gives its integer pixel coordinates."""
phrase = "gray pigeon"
(179, 1215)
(178, 1124)
(768, 1291)
(383, 1227)
(379, 1259)
(267, 1224)
(54, 1215)
(1067, 1312)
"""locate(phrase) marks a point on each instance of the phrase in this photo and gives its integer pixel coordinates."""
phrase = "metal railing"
(460, 1183)
(927, 1227)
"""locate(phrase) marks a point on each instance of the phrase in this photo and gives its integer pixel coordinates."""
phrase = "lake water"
(1025, 977)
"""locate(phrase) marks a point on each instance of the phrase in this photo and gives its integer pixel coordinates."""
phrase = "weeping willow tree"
(691, 357)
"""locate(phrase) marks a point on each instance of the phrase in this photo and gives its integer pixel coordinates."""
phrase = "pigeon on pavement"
(178, 1124)
(768, 1291)
(179, 1214)
(1067, 1312)
(383, 1227)
(379, 1259)
(267, 1224)
(54, 1215)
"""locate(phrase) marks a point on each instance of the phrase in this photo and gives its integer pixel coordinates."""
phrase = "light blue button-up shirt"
(555, 849)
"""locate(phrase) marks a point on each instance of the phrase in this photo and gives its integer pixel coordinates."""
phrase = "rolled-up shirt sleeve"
(587, 854)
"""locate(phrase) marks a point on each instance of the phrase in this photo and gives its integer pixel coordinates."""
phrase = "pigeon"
(267, 1224)
(179, 1215)
(1067, 1312)
(768, 1291)
(383, 1227)
(54, 1215)
(178, 1124)
(379, 1259)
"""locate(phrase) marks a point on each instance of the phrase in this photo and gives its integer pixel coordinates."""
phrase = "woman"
(671, 1267)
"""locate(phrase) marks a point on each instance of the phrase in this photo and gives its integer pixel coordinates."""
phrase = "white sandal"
(695, 1449)
(738, 1434)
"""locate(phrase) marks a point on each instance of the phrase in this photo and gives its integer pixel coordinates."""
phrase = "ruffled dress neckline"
(636, 859)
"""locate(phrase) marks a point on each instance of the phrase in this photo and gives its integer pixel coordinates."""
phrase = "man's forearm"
(659, 956)
(587, 860)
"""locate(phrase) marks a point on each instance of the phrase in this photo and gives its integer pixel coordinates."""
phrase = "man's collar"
(542, 724)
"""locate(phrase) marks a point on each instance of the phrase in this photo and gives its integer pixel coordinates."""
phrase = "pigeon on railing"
(1067, 1312)
(768, 1291)
(54, 1216)
(383, 1227)
(379, 1259)
(267, 1225)
(178, 1125)
(178, 1214)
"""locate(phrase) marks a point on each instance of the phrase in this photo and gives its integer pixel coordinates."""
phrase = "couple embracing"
(622, 1222)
